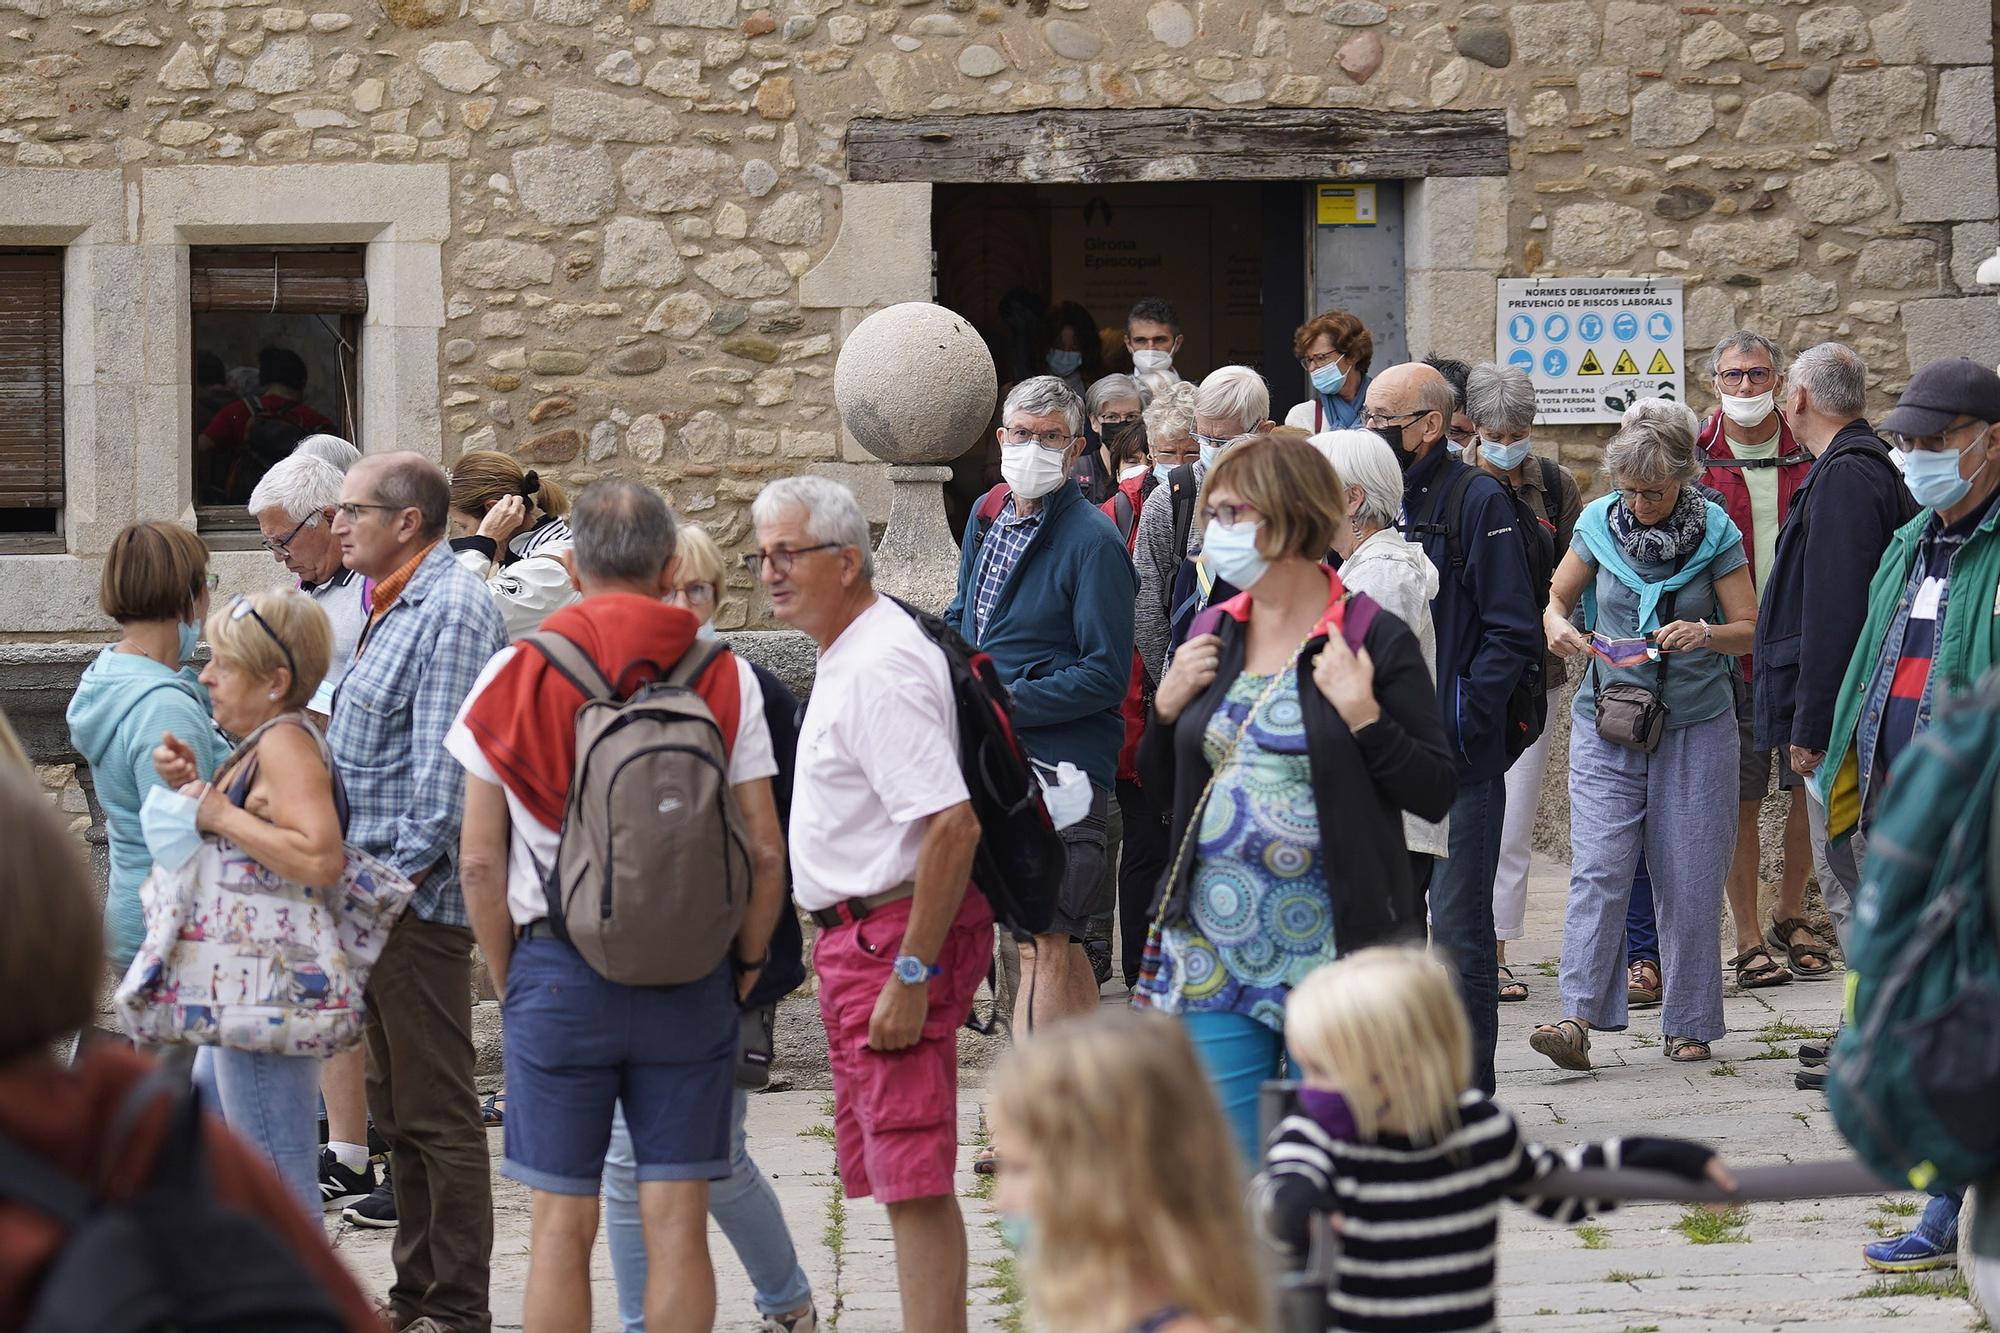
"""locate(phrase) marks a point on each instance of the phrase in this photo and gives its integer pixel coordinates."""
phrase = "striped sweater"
(1420, 1226)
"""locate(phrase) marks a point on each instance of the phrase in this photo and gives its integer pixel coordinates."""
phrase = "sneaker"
(339, 1186)
(378, 1210)
(1911, 1253)
(1099, 954)
(805, 1323)
(1810, 1080)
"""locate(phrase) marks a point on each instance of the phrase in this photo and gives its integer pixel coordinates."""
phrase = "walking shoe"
(339, 1186)
(378, 1210)
(1910, 1253)
(1099, 954)
(804, 1323)
(1810, 1080)
(425, 1324)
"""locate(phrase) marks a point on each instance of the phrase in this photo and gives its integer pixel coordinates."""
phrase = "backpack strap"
(26, 1178)
(1124, 515)
(571, 663)
(1182, 482)
(693, 662)
(1358, 618)
(1551, 491)
(1451, 505)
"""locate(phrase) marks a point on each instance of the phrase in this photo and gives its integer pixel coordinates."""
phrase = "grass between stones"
(1620, 1275)
(1004, 1280)
(1914, 1284)
(1703, 1225)
(1593, 1236)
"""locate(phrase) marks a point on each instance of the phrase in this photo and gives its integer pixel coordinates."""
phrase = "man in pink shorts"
(882, 839)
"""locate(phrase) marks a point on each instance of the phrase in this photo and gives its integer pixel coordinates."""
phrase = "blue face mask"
(166, 822)
(1329, 378)
(1017, 1232)
(1506, 457)
(1063, 362)
(1933, 476)
(1164, 471)
(190, 639)
(1329, 1110)
(1208, 453)
(1232, 555)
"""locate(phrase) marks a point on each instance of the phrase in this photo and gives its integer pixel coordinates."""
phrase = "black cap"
(1942, 392)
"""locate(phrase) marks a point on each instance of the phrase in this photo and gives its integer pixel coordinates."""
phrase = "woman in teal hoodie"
(155, 585)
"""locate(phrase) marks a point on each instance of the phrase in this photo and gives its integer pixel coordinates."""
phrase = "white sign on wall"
(1593, 346)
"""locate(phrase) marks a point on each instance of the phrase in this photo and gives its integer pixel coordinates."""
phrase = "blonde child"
(1413, 1167)
(1119, 1183)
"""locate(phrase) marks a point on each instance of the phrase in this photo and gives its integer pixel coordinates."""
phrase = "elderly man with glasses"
(1046, 590)
(293, 505)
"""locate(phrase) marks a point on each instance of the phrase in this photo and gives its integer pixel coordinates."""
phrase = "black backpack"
(1528, 705)
(268, 440)
(1019, 864)
(170, 1258)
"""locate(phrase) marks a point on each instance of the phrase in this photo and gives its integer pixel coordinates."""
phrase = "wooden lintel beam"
(1178, 144)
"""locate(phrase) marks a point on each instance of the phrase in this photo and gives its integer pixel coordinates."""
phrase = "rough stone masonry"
(638, 186)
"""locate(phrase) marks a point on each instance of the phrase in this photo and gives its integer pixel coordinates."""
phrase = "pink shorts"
(895, 1114)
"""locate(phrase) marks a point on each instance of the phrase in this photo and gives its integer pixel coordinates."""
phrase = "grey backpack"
(652, 876)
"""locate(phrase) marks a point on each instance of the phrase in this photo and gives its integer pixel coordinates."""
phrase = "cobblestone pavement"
(1636, 1270)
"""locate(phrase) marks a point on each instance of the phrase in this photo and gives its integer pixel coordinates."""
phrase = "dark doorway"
(1230, 257)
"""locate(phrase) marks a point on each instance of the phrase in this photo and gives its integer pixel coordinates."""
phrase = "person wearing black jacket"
(1291, 848)
(1842, 517)
(1488, 633)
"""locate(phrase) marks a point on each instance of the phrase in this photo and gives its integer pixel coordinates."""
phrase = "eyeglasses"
(1212, 441)
(351, 510)
(1630, 496)
(1460, 434)
(701, 594)
(239, 607)
(1926, 443)
(781, 560)
(1230, 515)
(1108, 421)
(1371, 418)
(211, 581)
(1314, 360)
(1057, 440)
(1757, 377)
(283, 545)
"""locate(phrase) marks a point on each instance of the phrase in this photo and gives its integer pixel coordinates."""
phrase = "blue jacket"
(1488, 627)
(1061, 633)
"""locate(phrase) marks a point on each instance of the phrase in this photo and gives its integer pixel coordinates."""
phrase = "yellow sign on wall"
(1346, 205)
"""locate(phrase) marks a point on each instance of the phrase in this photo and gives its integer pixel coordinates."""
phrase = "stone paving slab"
(1800, 1264)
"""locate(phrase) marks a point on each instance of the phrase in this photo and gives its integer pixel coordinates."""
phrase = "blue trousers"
(270, 1101)
(1238, 1053)
(1461, 906)
(1642, 931)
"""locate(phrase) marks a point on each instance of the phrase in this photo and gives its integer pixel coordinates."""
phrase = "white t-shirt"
(878, 753)
(347, 615)
(530, 841)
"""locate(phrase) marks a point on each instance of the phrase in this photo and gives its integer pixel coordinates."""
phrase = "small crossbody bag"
(1629, 714)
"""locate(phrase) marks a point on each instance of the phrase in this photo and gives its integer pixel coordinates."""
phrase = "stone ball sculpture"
(915, 384)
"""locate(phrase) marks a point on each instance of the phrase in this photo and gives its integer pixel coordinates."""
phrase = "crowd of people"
(1297, 678)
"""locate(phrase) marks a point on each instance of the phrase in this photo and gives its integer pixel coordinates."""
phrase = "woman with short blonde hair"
(508, 526)
(1120, 1186)
(1292, 729)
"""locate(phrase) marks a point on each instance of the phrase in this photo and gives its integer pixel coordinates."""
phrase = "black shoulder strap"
(1453, 508)
(693, 662)
(1181, 479)
(26, 1178)
(571, 663)
(1127, 516)
(1551, 490)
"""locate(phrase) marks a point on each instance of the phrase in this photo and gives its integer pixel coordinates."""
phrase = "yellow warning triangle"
(1626, 365)
(1590, 364)
(1660, 365)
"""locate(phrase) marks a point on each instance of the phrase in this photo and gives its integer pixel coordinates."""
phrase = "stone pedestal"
(916, 559)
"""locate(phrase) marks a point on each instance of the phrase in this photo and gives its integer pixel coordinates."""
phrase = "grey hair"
(1234, 393)
(623, 531)
(832, 513)
(1363, 458)
(301, 485)
(1109, 390)
(1154, 383)
(1170, 416)
(1835, 379)
(1655, 442)
(1500, 397)
(1746, 340)
(329, 447)
(1041, 396)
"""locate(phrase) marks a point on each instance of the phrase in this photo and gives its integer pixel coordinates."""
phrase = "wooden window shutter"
(299, 282)
(31, 380)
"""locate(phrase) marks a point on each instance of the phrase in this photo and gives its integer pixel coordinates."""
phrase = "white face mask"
(1747, 411)
(1133, 470)
(1031, 470)
(1148, 361)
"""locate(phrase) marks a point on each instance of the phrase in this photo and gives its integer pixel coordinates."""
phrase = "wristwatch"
(914, 971)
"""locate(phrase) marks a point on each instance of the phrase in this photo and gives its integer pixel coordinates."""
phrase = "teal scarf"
(1593, 532)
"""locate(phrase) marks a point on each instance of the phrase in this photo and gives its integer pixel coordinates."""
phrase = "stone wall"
(637, 187)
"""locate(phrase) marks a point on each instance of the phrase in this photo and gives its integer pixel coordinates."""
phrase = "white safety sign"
(1593, 346)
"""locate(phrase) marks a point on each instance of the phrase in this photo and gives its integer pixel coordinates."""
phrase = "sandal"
(1568, 1052)
(1642, 984)
(1511, 991)
(985, 1162)
(1754, 975)
(493, 1110)
(1687, 1050)
(1782, 937)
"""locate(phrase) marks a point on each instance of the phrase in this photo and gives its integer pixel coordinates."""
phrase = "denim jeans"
(272, 1103)
(1461, 908)
(1642, 931)
(744, 1206)
(1237, 1053)
(1939, 1224)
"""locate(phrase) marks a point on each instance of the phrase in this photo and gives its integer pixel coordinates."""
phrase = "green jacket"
(1968, 645)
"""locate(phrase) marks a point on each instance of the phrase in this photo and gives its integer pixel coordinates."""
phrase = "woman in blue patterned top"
(1294, 709)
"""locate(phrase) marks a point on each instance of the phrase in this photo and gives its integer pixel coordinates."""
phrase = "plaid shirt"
(1009, 537)
(416, 664)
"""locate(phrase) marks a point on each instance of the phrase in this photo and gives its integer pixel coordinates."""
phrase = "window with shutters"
(31, 391)
(275, 340)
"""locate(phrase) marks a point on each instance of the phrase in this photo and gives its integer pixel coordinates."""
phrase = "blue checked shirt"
(405, 794)
(1008, 538)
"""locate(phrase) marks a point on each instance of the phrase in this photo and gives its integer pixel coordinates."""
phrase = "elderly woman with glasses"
(1111, 404)
(1335, 350)
(1668, 606)
(273, 801)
